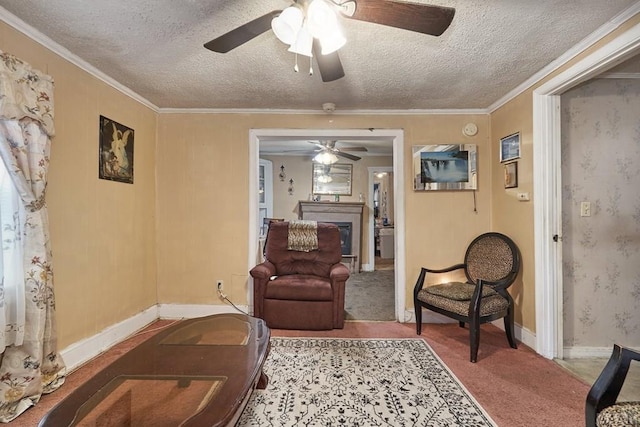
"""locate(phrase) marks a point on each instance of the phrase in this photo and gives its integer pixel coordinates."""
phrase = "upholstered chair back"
(491, 258)
(315, 262)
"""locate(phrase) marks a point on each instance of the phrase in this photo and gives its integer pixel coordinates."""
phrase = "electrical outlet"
(219, 284)
(585, 209)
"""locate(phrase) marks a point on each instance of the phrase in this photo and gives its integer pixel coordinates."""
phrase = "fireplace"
(345, 237)
(347, 216)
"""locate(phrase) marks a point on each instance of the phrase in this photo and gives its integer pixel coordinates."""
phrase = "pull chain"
(295, 67)
(311, 66)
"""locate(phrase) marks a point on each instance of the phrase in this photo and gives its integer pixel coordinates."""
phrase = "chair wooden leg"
(474, 340)
(418, 309)
(508, 328)
(461, 324)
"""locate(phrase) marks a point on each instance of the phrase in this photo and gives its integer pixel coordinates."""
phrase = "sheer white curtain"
(12, 296)
(30, 363)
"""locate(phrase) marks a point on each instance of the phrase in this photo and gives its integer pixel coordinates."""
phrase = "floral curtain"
(30, 364)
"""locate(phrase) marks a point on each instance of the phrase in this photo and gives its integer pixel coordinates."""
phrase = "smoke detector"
(329, 107)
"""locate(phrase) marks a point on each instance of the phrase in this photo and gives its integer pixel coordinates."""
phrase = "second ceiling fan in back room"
(311, 27)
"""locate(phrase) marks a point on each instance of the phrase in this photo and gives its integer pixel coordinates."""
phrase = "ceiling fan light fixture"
(321, 19)
(287, 25)
(303, 44)
(326, 158)
(332, 42)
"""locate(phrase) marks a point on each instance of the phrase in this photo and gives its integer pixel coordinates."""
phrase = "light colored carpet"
(356, 382)
(369, 295)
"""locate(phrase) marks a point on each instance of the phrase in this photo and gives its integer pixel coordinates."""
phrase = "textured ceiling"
(155, 48)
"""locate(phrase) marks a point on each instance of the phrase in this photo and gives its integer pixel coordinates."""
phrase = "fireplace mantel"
(337, 212)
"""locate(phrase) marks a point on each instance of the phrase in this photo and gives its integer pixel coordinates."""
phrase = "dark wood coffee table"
(198, 372)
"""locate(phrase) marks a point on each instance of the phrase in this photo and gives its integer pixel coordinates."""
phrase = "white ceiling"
(155, 49)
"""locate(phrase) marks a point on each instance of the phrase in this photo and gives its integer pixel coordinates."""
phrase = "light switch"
(585, 209)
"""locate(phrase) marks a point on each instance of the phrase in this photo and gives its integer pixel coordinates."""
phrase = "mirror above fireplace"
(332, 179)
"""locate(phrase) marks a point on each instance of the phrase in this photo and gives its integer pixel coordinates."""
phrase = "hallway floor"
(588, 369)
(384, 263)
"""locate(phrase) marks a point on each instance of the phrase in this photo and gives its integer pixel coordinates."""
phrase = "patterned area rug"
(356, 382)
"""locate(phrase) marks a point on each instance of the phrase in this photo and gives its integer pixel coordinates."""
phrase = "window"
(12, 302)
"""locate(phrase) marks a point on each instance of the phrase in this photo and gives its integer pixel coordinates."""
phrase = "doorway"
(381, 217)
(547, 185)
(395, 137)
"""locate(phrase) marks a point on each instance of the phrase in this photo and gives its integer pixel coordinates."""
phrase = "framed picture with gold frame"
(511, 175)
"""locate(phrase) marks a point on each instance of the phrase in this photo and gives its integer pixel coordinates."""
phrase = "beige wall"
(509, 215)
(202, 205)
(102, 232)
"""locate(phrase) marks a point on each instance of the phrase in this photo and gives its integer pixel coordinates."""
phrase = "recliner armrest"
(339, 272)
(263, 271)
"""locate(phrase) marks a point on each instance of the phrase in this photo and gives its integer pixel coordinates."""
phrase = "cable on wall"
(475, 207)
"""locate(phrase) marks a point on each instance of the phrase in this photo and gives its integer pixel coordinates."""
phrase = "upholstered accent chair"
(491, 265)
(297, 288)
(602, 408)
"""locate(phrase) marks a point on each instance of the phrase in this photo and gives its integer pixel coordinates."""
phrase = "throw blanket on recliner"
(302, 236)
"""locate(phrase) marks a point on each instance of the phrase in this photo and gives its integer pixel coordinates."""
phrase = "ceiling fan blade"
(242, 34)
(346, 155)
(353, 148)
(422, 18)
(329, 65)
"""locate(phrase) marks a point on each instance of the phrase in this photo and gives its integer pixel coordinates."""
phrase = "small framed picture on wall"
(511, 175)
(510, 147)
(115, 151)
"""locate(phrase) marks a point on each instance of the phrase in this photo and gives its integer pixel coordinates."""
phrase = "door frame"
(393, 136)
(547, 184)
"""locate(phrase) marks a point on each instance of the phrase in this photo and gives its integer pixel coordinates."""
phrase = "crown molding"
(415, 112)
(585, 43)
(66, 54)
(619, 76)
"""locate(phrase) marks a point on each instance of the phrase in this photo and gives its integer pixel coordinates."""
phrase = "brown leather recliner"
(300, 290)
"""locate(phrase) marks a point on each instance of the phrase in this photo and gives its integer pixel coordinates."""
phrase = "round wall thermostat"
(470, 129)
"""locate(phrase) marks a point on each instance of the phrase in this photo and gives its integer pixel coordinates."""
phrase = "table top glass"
(216, 331)
(133, 401)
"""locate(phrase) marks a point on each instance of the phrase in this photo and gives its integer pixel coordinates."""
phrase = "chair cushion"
(299, 287)
(458, 291)
(625, 414)
(488, 305)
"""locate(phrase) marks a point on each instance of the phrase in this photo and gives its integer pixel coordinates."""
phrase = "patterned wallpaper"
(601, 252)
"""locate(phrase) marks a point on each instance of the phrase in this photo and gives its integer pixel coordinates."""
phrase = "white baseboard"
(523, 335)
(82, 351)
(586, 352)
(427, 317)
(189, 311)
(367, 267)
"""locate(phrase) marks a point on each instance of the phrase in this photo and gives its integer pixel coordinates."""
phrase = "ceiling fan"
(421, 18)
(330, 147)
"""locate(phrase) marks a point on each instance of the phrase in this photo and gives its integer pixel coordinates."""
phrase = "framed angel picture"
(115, 151)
